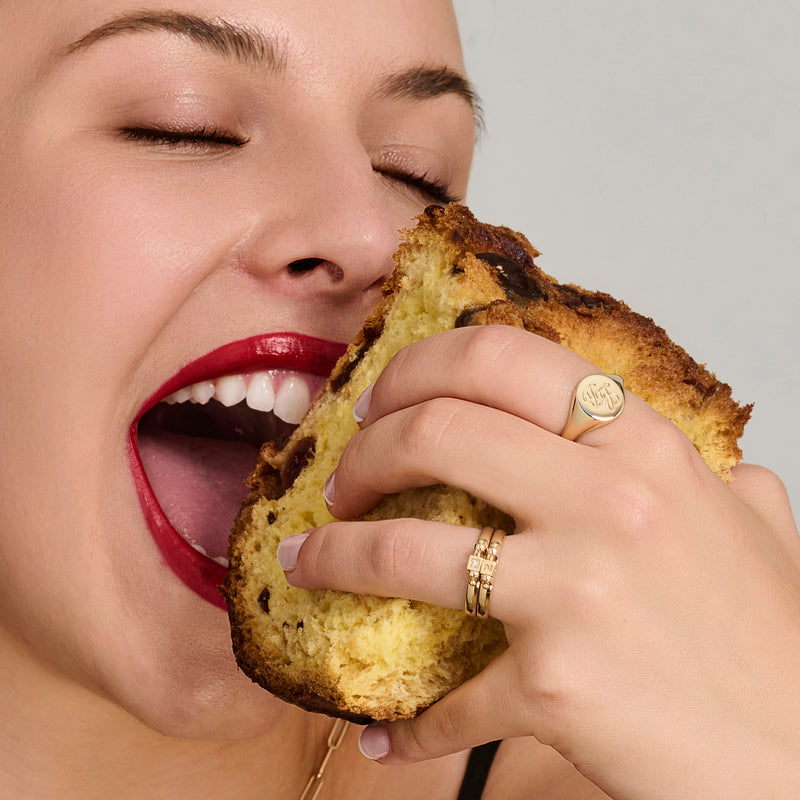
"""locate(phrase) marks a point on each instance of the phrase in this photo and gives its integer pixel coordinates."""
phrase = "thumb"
(483, 709)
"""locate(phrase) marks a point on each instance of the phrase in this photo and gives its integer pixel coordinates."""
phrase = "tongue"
(199, 484)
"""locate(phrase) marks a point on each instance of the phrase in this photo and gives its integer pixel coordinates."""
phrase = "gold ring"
(481, 568)
(597, 400)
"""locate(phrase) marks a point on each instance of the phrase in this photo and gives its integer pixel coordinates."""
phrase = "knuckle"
(400, 364)
(678, 451)
(595, 594)
(530, 682)
(390, 555)
(768, 483)
(354, 456)
(445, 723)
(317, 557)
(766, 495)
(486, 344)
(544, 688)
(428, 425)
(635, 507)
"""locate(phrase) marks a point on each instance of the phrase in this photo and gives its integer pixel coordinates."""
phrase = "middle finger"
(498, 457)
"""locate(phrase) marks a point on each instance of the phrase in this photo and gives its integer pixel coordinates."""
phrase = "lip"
(291, 351)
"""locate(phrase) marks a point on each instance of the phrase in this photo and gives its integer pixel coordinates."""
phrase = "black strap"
(477, 772)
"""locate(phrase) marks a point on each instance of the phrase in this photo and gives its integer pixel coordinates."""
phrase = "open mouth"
(197, 440)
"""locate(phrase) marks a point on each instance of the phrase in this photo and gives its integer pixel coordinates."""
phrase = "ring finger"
(415, 559)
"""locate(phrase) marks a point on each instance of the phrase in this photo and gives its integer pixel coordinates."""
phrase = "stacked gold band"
(481, 568)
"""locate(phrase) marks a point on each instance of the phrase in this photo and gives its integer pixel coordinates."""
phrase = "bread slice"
(369, 658)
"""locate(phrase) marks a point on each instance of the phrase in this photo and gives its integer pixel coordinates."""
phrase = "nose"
(325, 225)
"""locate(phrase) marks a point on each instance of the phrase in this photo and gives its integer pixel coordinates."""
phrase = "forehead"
(365, 36)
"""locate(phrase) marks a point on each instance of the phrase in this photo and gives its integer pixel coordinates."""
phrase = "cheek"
(102, 250)
(96, 264)
(93, 265)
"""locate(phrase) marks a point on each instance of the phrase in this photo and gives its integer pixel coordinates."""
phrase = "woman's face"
(196, 190)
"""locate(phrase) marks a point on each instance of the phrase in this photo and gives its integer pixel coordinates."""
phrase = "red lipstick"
(290, 351)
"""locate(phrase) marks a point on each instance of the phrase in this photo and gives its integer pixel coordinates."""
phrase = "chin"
(154, 651)
(214, 715)
(194, 705)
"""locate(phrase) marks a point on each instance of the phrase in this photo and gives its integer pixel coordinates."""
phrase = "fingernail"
(374, 742)
(361, 406)
(329, 490)
(288, 550)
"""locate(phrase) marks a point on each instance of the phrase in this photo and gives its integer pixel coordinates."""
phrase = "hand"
(652, 611)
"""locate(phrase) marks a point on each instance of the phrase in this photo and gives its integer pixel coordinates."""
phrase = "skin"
(122, 261)
(624, 607)
(632, 641)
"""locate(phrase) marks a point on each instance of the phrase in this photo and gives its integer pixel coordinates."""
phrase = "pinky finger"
(483, 709)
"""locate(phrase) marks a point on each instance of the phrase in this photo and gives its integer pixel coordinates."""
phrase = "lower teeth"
(219, 559)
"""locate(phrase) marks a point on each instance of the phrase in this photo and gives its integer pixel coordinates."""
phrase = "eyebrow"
(237, 42)
(253, 48)
(422, 83)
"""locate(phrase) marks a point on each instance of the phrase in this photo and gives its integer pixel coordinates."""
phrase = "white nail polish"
(361, 405)
(329, 490)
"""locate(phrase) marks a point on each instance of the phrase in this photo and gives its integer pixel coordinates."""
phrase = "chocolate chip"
(513, 276)
(263, 600)
(303, 453)
(371, 331)
(343, 375)
(574, 297)
(434, 210)
(467, 316)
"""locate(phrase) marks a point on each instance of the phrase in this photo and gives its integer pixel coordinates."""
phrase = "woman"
(200, 189)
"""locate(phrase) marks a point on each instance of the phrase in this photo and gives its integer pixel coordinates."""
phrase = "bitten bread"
(367, 658)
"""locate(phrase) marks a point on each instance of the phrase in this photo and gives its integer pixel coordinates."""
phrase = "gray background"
(652, 150)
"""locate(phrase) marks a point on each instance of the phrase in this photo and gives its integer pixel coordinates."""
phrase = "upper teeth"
(287, 394)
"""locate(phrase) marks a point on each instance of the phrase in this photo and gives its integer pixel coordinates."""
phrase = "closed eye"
(189, 139)
(430, 188)
(200, 139)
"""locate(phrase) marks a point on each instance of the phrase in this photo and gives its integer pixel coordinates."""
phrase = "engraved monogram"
(598, 399)
(603, 396)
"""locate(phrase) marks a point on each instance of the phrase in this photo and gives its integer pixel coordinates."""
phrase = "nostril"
(304, 265)
(308, 264)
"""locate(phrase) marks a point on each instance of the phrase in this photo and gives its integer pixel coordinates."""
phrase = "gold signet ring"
(598, 400)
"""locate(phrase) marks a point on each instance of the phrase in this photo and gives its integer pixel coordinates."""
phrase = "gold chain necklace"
(314, 784)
